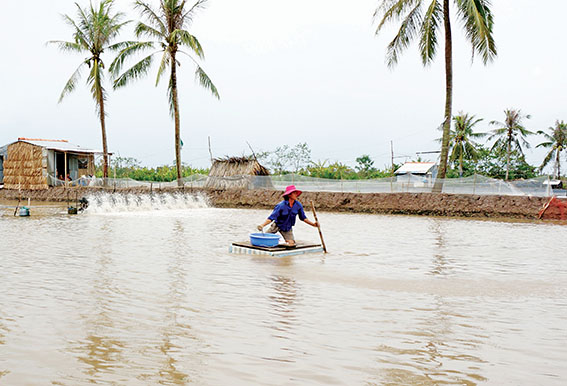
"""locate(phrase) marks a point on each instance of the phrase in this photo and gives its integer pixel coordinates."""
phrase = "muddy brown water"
(144, 291)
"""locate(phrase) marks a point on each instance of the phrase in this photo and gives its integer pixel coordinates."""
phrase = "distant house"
(37, 164)
(237, 173)
(554, 184)
(555, 187)
(424, 172)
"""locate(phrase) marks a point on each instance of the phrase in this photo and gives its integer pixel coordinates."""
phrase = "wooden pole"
(65, 176)
(318, 227)
(17, 206)
(542, 211)
(392, 150)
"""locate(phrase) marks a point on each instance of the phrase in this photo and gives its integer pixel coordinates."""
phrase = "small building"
(37, 164)
(554, 184)
(238, 173)
(555, 187)
(424, 172)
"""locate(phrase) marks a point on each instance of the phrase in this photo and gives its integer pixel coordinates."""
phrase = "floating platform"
(278, 251)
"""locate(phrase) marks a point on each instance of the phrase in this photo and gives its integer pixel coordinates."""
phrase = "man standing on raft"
(284, 214)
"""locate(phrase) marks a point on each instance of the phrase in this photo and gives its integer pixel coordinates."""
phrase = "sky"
(288, 72)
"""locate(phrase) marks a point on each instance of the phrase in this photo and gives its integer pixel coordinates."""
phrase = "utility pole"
(392, 149)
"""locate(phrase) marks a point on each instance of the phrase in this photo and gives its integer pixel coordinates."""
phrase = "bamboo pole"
(318, 227)
(542, 211)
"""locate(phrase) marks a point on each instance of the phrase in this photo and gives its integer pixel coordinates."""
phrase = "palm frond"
(455, 153)
(67, 46)
(190, 14)
(392, 10)
(189, 40)
(71, 83)
(478, 24)
(135, 72)
(428, 40)
(114, 29)
(78, 34)
(142, 29)
(523, 131)
(523, 142)
(545, 144)
(131, 49)
(165, 61)
(547, 158)
(500, 143)
(119, 46)
(470, 150)
(408, 30)
(206, 82)
(147, 11)
(170, 98)
(478, 135)
(86, 24)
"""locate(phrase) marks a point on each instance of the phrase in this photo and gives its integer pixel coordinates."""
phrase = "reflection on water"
(282, 301)
(99, 350)
(430, 349)
(173, 326)
(441, 265)
(143, 296)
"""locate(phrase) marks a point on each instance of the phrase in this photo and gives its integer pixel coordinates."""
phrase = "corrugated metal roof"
(416, 168)
(60, 145)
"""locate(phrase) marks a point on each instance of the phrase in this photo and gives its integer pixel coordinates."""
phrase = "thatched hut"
(37, 164)
(238, 173)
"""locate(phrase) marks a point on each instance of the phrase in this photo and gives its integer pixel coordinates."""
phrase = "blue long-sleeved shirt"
(284, 215)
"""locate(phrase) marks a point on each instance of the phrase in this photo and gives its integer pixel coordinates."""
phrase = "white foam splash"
(129, 202)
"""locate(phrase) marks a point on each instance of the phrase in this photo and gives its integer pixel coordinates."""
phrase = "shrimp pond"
(144, 291)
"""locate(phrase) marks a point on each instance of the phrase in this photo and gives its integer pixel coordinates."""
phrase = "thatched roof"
(238, 173)
(237, 166)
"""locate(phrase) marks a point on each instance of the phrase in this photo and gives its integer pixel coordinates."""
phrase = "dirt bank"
(518, 207)
(394, 203)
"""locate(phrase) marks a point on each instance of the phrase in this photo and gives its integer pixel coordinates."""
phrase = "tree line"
(505, 158)
(166, 30)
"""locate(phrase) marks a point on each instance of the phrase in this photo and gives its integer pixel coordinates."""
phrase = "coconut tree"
(167, 26)
(423, 20)
(510, 135)
(461, 139)
(94, 31)
(557, 143)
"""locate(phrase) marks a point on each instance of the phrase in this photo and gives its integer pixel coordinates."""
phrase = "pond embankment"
(431, 204)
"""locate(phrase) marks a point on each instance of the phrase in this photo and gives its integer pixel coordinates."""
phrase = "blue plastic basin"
(264, 239)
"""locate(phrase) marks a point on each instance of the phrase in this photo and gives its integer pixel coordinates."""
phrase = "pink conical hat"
(290, 189)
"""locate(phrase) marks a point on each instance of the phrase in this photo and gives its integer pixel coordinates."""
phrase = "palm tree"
(510, 135)
(423, 19)
(461, 143)
(557, 142)
(94, 31)
(168, 27)
(318, 168)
